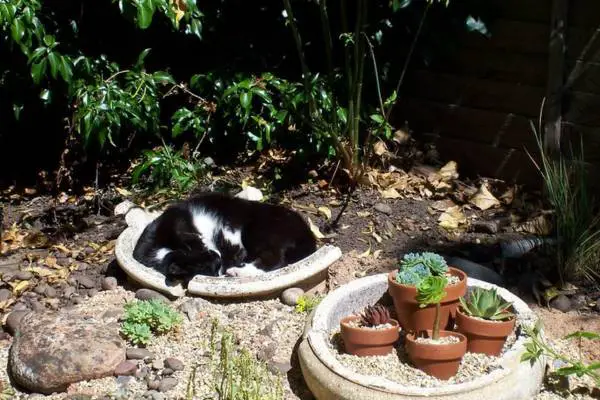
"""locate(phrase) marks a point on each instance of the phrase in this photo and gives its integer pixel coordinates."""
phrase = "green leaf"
(38, 71)
(17, 108)
(55, 64)
(163, 77)
(140, 61)
(246, 100)
(65, 69)
(145, 12)
(399, 4)
(49, 40)
(583, 334)
(17, 30)
(45, 95)
(377, 118)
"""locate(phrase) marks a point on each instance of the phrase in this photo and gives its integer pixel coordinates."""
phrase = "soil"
(67, 245)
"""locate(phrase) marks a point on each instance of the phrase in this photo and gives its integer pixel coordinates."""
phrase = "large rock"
(51, 351)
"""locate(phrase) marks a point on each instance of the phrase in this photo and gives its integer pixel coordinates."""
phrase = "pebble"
(167, 384)
(20, 307)
(14, 320)
(158, 364)
(153, 384)
(23, 276)
(290, 296)
(68, 292)
(167, 372)
(579, 301)
(5, 294)
(86, 282)
(76, 299)
(41, 288)
(383, 208)
(561, 302)
(92, 292)
(109, 283)
(192, 308)
(125, 368)
(174, 364)
(149, 294)
(50, 292)
(279, 366)
(37, 306)
(142, 373)
(133, 353)
(154, 395)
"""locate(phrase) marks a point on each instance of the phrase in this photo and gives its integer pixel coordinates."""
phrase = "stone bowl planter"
(305, 272)
(329, 379)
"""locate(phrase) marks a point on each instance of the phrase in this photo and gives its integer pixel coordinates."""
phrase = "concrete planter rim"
(216, 287)
(317, 336)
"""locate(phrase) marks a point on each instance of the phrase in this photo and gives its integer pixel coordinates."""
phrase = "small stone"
(133, 353)
(50, 292)
(86, 282)
(290, 296)
(125, 368)
(279, 366)
(20, 307)
(14, 320)
(41, 288)
(153, 384)
(561, 302)
(383, 208)
(68, 292)
(79, 396)
(76, 300)
(192, 308)
(109, 283)
(5, 294)
(267, 351)
(167, 384)
(167, 372)
(158, 364)
(92, 292)
(149, 294)
(154, 395)
(578, 301)
(142, 373)
(174, 364)
(23, 276)
(37, 306)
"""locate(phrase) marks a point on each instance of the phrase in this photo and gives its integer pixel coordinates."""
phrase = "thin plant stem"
(436, 323)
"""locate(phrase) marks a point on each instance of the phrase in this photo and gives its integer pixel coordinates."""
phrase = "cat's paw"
(246, 270)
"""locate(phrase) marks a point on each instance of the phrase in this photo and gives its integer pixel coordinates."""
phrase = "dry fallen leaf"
(363, 214)
(483, 199)
(376, 254)
(400, 136)
(19, 286)
(442, 205)
(325, 211)
(366, 253)
(452, 218)
(449, 171)
(315, 229)
(380, 148)
(390, 193)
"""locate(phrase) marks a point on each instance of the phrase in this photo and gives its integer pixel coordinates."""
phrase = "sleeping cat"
(215, 234)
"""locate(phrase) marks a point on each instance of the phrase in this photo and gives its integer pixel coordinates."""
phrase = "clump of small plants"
(431, 291)
(236, 374)
(143, 318)
(486, 304)
(307, 303)
(415, 267)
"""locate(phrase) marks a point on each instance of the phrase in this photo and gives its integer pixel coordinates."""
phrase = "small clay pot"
(483, 336)
(367, 341)
(438, 360)
(413, 318)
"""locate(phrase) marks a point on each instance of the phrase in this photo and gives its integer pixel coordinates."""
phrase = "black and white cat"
(215, 234)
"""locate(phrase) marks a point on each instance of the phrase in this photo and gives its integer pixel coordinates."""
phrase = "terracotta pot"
(366, 341)
(483, 336)
(413, 318)
(438, 360)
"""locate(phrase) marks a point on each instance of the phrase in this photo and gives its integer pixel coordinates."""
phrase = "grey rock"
(192, 307)
(5, 294)
(267, 351)
(109, 283)
(290, 296)
(158, 364)
(126, 368)
(282, 367)
(13, 321)
(174, 364)
(50, 292)
(54, 350)
(37, 306)
(167, 372)
(86, 282)
(383, 208)
(20, 307)
(41, 288)
(133, 353)
(153, 384)
(477, 271)
(76, 300)
(149, 294)
(578, 301)
(79, 396)
(167, 384)
(561, 302)
(142, 373)
(68, 292)
(23, 276)
(92, 292)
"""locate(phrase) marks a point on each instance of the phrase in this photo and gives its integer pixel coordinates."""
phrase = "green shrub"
(307, 303)
(415, 267)
(143, 318)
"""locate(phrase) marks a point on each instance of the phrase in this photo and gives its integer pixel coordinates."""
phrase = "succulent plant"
(415, 267)
(375, 315)
(431, 291)
(486, 304)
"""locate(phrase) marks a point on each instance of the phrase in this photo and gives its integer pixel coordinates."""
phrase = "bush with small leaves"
(143, 318)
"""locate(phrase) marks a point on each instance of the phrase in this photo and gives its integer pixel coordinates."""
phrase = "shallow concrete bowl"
(304, 273)
(328, 379)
